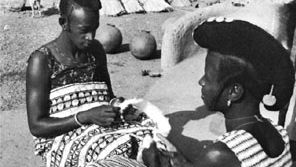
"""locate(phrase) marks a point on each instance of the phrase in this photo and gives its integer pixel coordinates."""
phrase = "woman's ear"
(236, 92)
(64, 23)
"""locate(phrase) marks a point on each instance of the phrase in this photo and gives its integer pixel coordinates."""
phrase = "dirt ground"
(20, 35)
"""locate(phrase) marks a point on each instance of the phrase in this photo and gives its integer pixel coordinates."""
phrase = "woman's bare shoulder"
(218, 154)
(42, 54)
(39, 62)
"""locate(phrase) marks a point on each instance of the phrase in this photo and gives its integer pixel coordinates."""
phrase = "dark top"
(61, 75)
(93, 68)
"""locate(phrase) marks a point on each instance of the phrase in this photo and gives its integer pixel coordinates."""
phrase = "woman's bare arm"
(215, 155)
(37, 97)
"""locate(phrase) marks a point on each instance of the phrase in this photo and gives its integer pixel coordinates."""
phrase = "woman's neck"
(240, 114)
(65, 44)
(242, 122)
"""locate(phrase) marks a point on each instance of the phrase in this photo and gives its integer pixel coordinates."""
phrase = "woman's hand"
(103, 115)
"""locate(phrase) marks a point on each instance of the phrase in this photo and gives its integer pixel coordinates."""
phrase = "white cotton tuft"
(161, 130)
(153, 112)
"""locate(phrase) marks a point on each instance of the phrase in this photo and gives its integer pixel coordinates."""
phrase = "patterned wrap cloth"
(88, 143)
(76, 89)
(118, 161)
(251, 154)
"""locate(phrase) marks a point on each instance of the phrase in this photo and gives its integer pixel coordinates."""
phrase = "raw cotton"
(132, 6)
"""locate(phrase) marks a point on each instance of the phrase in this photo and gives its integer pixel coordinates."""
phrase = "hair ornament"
(220, 19)
(269, 99)
(211, 19)
(228, 20)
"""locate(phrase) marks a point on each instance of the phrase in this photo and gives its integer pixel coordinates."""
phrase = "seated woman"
(244, 66)
(68, 90)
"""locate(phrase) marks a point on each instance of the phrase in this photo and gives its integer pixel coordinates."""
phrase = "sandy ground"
(20, 35)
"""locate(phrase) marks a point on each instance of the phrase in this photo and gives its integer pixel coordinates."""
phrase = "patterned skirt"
(87, 144)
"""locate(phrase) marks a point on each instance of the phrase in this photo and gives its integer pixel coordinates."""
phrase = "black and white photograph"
(147, 83)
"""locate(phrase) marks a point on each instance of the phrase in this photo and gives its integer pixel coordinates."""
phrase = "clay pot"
(143, 45)
(110, 37)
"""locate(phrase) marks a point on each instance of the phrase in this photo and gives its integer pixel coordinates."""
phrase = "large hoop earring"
(228, 102)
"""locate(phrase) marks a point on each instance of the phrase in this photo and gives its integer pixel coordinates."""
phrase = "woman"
(244, 66)
(68, 93)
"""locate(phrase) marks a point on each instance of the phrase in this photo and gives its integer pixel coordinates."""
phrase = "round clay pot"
(143, 45)
(110, 37)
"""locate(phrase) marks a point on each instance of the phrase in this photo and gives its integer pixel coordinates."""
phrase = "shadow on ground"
(189, 146)
(50, 11)
(45, 11)
(123, 48)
